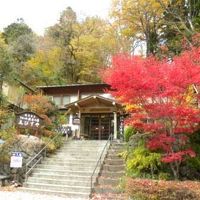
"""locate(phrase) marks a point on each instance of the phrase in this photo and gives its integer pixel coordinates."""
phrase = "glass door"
(105, 126)
(95, 129)
(98, 126)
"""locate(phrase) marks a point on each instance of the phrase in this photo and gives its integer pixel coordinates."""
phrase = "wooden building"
(93, 112)
(14, 93)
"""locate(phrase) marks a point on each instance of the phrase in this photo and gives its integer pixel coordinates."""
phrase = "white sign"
(16, 160)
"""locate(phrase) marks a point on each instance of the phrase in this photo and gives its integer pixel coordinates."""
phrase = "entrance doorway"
(98, 126)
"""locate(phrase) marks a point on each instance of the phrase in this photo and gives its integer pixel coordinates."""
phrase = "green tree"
(5, 62)
(140, 21)
(63, 32)
(13, 31)
(23, 48)
(85, 47)
(21, 42)
(94, 45)
(181, 21)
(43, 68)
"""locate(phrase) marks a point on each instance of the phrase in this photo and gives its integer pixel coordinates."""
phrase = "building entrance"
(98, 126)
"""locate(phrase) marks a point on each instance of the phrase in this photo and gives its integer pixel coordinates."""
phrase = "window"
(57, 100)
(65, 100)
(61, 100)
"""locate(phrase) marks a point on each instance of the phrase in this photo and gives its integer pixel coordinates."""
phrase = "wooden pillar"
(79, 116)
(115, 126)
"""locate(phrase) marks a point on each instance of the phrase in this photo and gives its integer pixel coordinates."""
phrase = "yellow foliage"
(2, 42)
(190, 95)
(132, 106)
(134, 15)
(44, 64)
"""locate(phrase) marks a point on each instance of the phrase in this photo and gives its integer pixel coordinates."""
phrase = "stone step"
(72, 195)
(118, 142)
(76, 182)
(77, 157)
(114, 152)
(70, 150)
(69, 170)
(108, 181)
(112, 156)
(73, 161)
(87, 141)
(63, 155)
(112, 174)
(111, 196)
(68, 188)
(61, 176)
(108, 189)
(118, 161)
(118, 146)
(64, 172)
(113, 168)
(66, 167)
(84, 145)
(111, 171)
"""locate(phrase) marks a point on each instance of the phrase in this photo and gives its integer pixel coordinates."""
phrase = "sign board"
(28, 120)
(76, 120)
(64, 130)
(121, 125)
(16, 160)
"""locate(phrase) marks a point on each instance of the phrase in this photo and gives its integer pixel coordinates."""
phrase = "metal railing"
(30, 165)
(99, 162)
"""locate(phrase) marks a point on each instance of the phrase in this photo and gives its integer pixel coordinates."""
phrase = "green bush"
(7, 134)
(58, 141)
(54, 144)
(140, 162)
(128, 132)
(5, 153)
(163, 176)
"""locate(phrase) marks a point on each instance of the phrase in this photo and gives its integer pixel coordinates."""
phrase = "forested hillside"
(75, 50)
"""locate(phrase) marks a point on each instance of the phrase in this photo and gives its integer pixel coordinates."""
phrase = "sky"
(40, 14)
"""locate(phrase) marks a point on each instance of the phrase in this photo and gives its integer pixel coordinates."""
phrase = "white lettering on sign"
(28, 120)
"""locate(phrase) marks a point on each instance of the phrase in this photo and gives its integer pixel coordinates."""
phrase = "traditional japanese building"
(92, 112)
(14, 93)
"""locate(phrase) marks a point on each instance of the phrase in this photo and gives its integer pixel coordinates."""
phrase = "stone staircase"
(68, 172)
(111, 172)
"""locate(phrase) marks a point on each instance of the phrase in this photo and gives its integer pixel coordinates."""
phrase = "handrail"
(99, 161)
(37, 161)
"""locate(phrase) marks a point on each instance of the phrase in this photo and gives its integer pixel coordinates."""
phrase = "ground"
(11, 193)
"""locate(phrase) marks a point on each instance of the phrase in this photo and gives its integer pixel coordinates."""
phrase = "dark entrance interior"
(98, 126)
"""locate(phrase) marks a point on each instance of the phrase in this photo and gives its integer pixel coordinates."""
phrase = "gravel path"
(17, 195)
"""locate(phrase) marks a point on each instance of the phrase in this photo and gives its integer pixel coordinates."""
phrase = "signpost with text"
(28, 120)
(16, 160)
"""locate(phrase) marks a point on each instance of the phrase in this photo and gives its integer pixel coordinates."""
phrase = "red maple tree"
(161, 100)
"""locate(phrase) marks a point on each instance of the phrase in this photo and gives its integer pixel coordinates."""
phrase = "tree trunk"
(1, 90)
(175, 169)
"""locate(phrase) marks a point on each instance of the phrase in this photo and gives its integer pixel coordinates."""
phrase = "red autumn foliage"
(42, 106)
(38, 103)
(162, 98)
(171, 190)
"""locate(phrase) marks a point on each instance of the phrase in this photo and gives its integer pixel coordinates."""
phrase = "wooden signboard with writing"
(28, 120)
(76, 121)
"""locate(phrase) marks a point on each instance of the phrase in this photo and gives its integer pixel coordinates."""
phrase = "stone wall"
(29, 146)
